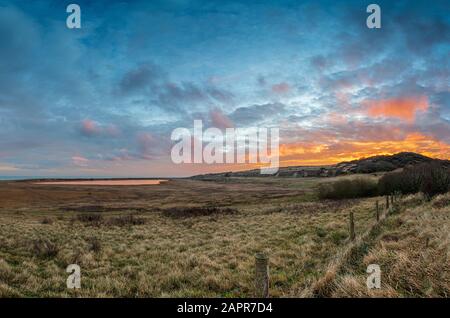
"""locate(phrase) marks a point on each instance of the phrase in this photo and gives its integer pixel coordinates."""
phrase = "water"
(19, 178)
(103, 182)
(70, 177)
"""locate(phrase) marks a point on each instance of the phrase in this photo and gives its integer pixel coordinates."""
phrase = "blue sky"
(103, 100)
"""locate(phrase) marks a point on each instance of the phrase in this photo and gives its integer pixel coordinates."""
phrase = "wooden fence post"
(262, 275)
(392, 199)
(352, 227)
(378, 211)
(387, 202)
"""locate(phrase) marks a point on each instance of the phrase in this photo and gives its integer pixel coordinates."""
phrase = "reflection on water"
(104, 182)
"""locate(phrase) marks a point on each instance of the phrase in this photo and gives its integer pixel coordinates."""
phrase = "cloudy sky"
(103, 100)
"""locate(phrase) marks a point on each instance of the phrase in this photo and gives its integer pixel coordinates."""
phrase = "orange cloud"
(321, 153)
(403, 108)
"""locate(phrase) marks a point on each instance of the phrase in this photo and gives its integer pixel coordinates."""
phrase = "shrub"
(94, 244)
(44, 248)
(429, 178)
(441, 201)
(436, 180)
(407, 181)
(320, 232)
(338, 236)
(90, 219)
(47, 220)
(180, 212)
(348, 189)
(124, 220)
(97, 219)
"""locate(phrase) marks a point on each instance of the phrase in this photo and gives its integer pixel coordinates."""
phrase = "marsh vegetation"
(198, 239)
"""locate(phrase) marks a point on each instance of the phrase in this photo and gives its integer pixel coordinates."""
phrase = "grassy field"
(411, 246)
(141, 242)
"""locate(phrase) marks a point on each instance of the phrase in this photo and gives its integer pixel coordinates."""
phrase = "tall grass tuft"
(44, 248)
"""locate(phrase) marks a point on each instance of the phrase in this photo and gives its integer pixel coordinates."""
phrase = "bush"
(338, 236)
(90, 219)
(348, 189)
(407, 181)
(180, 212)
(436, 180)
(47, 220)
(429, 178)
(44, 248)
(124, 220)
(96, 219)
(94, 244)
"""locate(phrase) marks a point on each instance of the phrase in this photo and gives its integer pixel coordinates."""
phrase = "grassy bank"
(139, 242)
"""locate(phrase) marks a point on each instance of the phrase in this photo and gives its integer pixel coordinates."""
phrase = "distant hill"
(386, 163)
(365, 165)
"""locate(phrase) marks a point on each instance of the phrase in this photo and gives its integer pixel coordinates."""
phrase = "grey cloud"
(320, 62)
(143, 77)
(256, 113)
(423, 33)
(152, 82)
(20, 38)
(261, 80)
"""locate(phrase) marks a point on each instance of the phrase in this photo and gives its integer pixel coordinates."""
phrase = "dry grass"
(189, 251)
(136, 249)
(411, 247)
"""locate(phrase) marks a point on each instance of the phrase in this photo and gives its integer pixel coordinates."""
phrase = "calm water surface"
(104, 182)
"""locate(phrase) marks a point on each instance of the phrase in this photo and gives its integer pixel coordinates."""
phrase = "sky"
(104, 99)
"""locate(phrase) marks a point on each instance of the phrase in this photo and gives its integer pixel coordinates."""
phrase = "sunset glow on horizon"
(321, 154)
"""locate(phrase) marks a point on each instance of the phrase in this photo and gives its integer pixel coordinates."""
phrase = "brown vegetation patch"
(96, 219)
(102, 208)
(348, 189)
(441, 202)
(186, 212)
(125, 220)
(325, 206)
(390, 238)
(44, 248)
(94, 244)
(90, 219)
(47, 220)
(86, 208)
